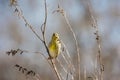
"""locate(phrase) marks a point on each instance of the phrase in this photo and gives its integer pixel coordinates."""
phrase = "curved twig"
(70, 28)
(95, 27)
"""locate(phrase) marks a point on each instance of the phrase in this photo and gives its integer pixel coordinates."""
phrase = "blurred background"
(14, 34)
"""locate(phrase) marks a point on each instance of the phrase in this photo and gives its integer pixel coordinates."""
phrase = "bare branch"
(43, 30)
(45, 44)
(19, 11)
(70, 28)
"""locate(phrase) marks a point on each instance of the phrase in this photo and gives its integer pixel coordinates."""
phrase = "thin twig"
(68, 54)
(67, 76)
(62, 66)
(68, 61)
(38, 77)
(76, 42)
(45, 44)
(85, 73)
(20, 14)
(40, 54)
(95, 26)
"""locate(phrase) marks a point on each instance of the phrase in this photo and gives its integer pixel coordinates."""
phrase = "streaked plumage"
(54, 46)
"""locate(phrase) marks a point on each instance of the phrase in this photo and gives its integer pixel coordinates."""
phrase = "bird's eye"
(53, 34)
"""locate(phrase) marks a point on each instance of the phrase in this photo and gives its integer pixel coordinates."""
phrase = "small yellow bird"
(54, 46)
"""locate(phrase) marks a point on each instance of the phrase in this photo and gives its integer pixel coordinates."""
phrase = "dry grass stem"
(93, 22)
(85, 73)
(70, 28)
(68, 58)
